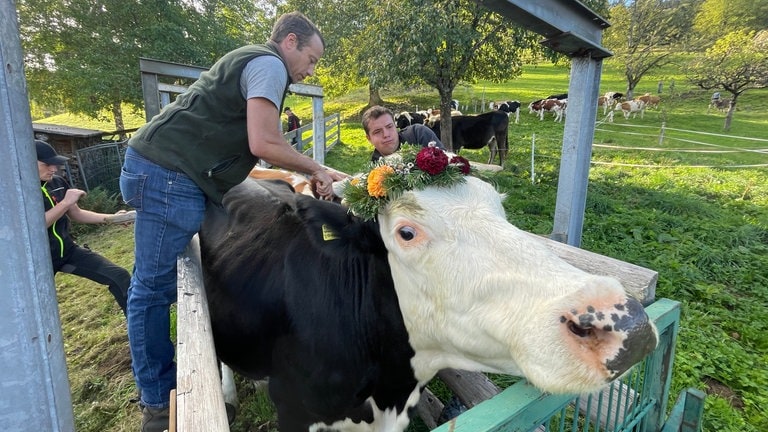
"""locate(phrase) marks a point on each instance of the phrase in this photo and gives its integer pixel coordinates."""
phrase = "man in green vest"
(190, 154)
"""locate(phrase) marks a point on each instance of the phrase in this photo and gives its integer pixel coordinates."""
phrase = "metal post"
(577, 150)
(33, 369)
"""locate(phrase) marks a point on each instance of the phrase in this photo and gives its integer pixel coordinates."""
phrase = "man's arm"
(63, 207)
(266, 142)
(89, 217)
(68, 206)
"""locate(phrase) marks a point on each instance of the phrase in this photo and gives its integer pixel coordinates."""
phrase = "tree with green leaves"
(84, 55)
(715, 18)
(369, 43)
(443, 43)
(348, 62)
(645, 33)
(736, 63)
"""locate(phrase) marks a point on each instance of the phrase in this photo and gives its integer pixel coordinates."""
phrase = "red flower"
(462, 163)
(432, 160)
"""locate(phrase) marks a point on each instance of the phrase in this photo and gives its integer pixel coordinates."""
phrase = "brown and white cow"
(650, 100)
(556, 106)
(351, 318)
(628, 108)
(610, 99)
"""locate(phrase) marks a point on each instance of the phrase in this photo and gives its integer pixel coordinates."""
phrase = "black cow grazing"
(350, 319)
(406, 118)
(477, 131)
(559, 96)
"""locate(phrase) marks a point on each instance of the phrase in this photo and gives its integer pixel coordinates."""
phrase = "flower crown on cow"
(412, 167)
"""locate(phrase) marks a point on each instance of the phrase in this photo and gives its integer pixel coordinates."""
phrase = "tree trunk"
(729, 114)
(630, 90)
(374, 98)
(117, 113)
(446, 125)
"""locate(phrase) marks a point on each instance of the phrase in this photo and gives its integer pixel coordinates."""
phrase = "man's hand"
(73, 196)
(322, 182)
(122, 217)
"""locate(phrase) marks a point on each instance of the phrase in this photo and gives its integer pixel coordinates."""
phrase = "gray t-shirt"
(266, 77)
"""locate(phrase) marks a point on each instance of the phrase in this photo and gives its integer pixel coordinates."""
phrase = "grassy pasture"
(692, 216)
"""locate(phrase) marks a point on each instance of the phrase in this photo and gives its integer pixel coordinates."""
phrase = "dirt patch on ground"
(715, 387)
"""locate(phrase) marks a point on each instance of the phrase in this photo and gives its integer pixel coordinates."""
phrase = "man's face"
(382, 133)
(301, 62)
(46, 171)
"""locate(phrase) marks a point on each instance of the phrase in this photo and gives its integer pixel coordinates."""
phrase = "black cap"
(47, 155)
(287, 109)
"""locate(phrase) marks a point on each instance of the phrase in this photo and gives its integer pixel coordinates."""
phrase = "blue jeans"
(169, 210)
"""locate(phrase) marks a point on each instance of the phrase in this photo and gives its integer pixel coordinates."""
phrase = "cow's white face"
(477, 293)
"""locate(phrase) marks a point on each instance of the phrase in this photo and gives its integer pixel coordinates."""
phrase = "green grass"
(702, 225)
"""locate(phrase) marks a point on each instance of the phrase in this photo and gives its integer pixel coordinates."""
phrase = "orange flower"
(376, 180)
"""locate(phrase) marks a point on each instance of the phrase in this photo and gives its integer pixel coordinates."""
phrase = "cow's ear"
(334, 229)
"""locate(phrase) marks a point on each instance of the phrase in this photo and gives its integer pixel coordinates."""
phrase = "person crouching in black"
(60, 207)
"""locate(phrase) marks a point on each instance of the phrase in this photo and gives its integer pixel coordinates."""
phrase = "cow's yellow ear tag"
(328, 234)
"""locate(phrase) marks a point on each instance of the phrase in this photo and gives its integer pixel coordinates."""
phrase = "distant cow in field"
(559, 96)
(509, 107)
(555, 106)
(406, 118)
(351, 318)
(602, 101)
(611, 98)
(650, 100)
(719, 104)
(477, 131)
(629, 108)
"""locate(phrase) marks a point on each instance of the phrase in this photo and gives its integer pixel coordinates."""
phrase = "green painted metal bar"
(524, 407)
(693, 410)
(687, 412)
(658, 371)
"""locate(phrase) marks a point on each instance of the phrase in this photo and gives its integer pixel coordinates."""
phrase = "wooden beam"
(199, 399)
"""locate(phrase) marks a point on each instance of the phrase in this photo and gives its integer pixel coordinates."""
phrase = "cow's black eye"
(407, 233)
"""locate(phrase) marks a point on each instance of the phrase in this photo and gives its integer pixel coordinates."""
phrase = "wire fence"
(690, 142)
(665, 147)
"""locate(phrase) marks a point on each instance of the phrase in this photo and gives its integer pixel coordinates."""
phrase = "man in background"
(293, 122)
(381, 132)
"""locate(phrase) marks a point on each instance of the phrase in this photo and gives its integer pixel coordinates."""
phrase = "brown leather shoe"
(154, 419)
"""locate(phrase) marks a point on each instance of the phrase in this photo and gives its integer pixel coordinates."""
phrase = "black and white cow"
(405, 119)
(477, 131)
(509, 107)
(350, 319)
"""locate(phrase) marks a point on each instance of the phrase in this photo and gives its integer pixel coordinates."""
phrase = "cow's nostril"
(580, 331)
